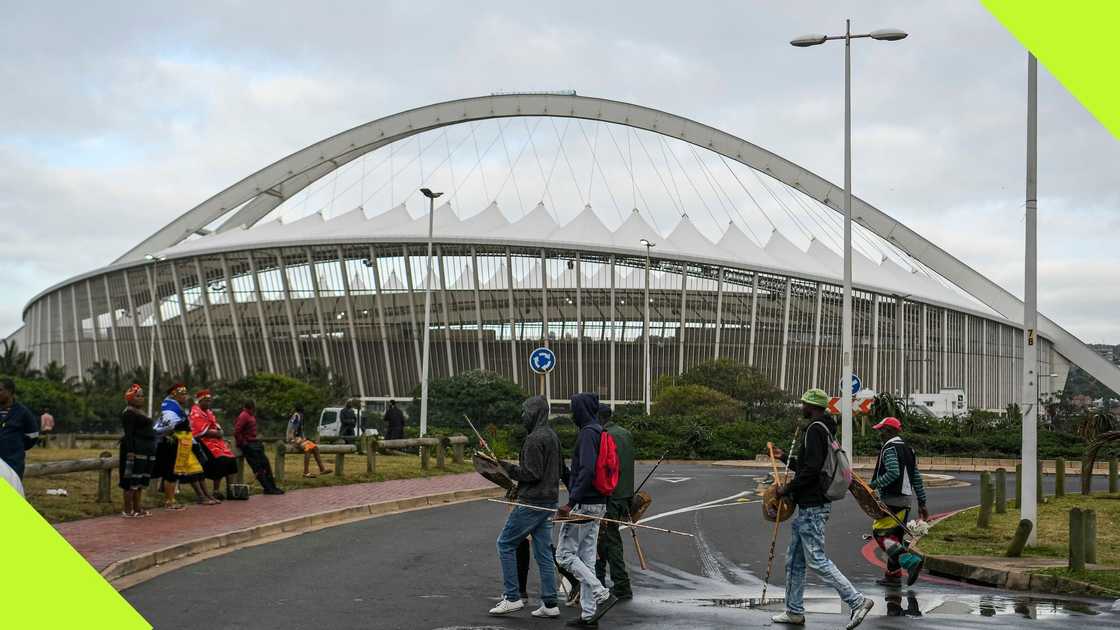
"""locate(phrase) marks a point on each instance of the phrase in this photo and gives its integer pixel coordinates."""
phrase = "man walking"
(807, 490)
(537, 474)
(618, 508)
(575, 549)
(897, 479)
(245, 433)
(19, 430)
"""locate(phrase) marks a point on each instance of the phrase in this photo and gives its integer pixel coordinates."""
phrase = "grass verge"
(82, 487)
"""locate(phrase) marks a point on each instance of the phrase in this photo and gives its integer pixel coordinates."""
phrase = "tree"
(15, 362)
(760, 398)
(484, 397)
(275, 395)
(697, 400)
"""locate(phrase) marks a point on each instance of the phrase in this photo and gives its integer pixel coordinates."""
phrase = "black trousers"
(258, 461)
(524, 553)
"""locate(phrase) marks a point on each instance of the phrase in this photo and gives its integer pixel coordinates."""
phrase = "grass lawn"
(82, 487)
(959, 536)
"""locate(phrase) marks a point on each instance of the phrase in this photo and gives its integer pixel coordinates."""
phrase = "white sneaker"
(860, 613)
(792, 619)
(544, 612)
(506, 607)
(602, 596)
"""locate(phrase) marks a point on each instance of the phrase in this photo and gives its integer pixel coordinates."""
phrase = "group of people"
(589, 553)
(185, 444)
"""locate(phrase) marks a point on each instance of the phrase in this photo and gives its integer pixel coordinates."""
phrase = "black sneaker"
(580, 622)
(601, 607)
(623, 595)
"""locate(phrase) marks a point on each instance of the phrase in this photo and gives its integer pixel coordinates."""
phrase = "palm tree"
(15, 362)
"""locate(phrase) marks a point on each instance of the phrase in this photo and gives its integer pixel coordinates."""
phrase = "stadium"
(318, 261)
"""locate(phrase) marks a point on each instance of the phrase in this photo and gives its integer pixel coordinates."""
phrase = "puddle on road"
(908, 605)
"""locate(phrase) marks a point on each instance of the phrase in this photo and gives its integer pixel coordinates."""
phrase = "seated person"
(296, 439)
(208, 433)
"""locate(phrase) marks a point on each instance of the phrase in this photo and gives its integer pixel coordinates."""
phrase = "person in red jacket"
(208, 433)
(245, 433)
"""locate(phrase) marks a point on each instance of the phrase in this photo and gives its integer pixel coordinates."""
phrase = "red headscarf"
(133, 392)
(203, 393)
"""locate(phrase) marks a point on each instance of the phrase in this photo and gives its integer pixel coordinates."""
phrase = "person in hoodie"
(806, 542)
(575, 549)
(537, 474)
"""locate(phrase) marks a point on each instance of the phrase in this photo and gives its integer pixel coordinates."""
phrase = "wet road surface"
(437, 568)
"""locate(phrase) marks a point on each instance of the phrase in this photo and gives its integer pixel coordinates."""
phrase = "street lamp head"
(647, 243)
(429, 194)
(154, 258)
(810, 40)
(888, 34)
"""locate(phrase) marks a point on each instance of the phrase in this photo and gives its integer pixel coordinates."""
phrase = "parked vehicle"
(330, 424)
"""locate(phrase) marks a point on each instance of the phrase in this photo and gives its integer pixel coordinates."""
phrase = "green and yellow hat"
(815, 397)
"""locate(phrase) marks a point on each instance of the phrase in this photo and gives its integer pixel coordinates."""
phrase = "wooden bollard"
(278, 465)
(1112, 476)
(1076, 540)
(1019, 539)
(441, 457)
(1059, 477)
(371, 456)
(1001, 491)
(984, 518)
(105, 482)
(423, 457)
(1090, 528)
(339, 464)
(1086, 477)
(1038, 484)
(457, 453)
(1019, 486)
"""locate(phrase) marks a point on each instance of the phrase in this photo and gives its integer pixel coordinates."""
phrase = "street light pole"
(1029, 403)
(846, 315)
(645, 329)
(427, 312)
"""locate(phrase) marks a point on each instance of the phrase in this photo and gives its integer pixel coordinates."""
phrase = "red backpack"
(606, 465)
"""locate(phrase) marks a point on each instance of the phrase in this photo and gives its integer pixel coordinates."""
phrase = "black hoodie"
(585, 413)
(538, 471)
(806, 486)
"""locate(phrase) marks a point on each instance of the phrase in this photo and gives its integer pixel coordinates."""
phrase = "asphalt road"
(437, 568)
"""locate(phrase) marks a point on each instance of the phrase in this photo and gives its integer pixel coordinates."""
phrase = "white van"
(330, 423)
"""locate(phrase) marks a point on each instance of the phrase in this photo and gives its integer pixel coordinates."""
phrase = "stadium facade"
(347, 294)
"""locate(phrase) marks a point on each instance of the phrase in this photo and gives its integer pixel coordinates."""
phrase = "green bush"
(697, 400)
(70, 410)
(485, 397)
(275, 395)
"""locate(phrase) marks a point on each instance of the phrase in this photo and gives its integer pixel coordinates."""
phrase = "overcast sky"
(116, 119)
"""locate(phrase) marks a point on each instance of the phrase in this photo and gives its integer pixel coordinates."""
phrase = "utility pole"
(1029, 403)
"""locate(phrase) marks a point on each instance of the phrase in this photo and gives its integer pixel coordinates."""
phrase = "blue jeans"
(576, 550)
(520, 523)
(806, 546)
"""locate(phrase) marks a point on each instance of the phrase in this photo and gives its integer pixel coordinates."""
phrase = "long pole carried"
(480, 438)
(777, 521)
(594, 518)
(650, 473)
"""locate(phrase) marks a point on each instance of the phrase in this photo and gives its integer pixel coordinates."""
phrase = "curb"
(152, 559)
(953, 568)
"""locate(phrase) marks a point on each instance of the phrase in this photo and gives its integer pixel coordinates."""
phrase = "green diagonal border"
(1076, 40)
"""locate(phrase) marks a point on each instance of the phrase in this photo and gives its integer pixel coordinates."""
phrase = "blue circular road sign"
(856, 384)
(542, 360)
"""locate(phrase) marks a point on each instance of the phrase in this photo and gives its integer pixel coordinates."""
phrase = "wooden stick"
(480, 439)
(594, 518)
(637, 545)
(777, 521)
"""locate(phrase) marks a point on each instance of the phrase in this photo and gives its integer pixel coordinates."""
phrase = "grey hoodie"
(538, 472)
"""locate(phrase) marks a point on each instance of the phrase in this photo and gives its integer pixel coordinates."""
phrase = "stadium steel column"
(754, 318)
(846, 323)
(579, 322)
(112, 320)
(182, 312)
(719, 313)
(785, 335)
(512, 316)
(349, 321)
(614, 333)
(680, 331)
(313, 274)
(379, 301)
(1029, 401)
(427, 312)
(443, 309)
(477, 308)
(260, 313)
(646, 371)
(93, 323)
(235, 317)
(77, 332)
(297, 350)
(815, 378)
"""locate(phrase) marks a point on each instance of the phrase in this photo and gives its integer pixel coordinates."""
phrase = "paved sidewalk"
(108, 539)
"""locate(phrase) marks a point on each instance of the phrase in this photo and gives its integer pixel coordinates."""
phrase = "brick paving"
(107, 539)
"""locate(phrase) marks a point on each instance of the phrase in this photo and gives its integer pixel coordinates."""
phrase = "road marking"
(673, 479)
(739, 498)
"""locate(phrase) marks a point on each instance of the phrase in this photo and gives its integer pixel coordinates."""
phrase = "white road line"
(703, 506)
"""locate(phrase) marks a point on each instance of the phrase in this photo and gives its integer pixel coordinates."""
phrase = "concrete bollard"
(1090, 518)
(423, 458)
(984, 517)
(339, 464)
(1001, 491)
(1019, 486)
(1112, 478)
(371, 456)
(457, 453)
(1019, 539)
(105, 482)
(1059, 477)
(1076, 540)
(278, 464)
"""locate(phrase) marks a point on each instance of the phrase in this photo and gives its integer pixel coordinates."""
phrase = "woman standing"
(137, 453)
